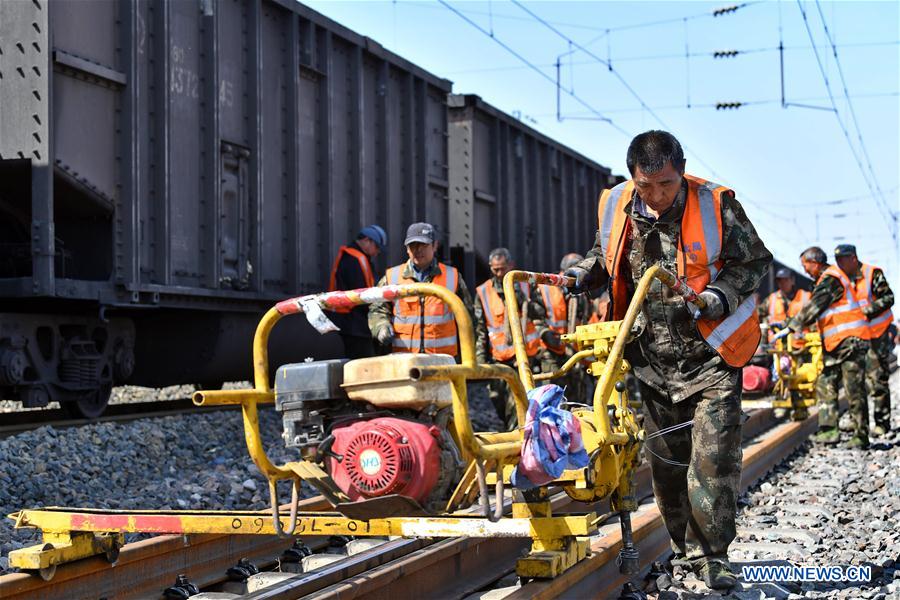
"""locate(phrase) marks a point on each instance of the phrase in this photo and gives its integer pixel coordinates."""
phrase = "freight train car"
(168, 169)
(513, 186)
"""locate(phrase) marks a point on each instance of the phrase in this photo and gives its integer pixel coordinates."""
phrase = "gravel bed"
(181, 462)
(825, 506)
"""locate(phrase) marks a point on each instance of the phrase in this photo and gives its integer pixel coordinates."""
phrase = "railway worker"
(352, 270)
(835, 305)
(875, 299)
(879, 300)
(493, 342)
(563, 312)
(419, 324)
(664, 216)
(785, 302)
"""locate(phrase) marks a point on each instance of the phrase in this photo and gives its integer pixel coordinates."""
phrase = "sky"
(817, 165)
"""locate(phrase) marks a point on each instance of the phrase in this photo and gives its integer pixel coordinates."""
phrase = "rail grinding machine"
(388, 442)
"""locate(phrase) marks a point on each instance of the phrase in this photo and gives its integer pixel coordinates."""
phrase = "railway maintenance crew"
(493, 336)
(876, 299)
(352, 269)
(664, 216)
(835, 303)
(419, 324)
(564, 312)
(782, 304)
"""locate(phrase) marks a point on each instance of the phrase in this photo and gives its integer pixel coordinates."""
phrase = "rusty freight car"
(168, 169)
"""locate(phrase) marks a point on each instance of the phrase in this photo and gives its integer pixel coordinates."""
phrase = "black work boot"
(716, 573)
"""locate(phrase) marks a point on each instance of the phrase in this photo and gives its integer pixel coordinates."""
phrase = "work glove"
(551, 338)
(385, 335)
(580, 276)
(714, 308)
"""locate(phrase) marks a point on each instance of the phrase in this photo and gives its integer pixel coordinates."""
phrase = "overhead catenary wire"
(723, 54)
(534, 67)
(852, 111)
(885, 210)
(618, 76)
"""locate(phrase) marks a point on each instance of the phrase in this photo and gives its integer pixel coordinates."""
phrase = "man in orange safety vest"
(352, 269)
(688, 368)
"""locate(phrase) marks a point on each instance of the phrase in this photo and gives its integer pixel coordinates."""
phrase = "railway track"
(12, 423)
(451, 568)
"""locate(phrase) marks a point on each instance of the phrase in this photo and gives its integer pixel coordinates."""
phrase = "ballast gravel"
(197, 461)
(825, 506)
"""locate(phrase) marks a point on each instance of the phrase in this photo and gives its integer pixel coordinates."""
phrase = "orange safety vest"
(364, 265)
(777, 313)
(881, 323)
(736, 336)
(495, 316)
(844, 318)
(424, 324)
(557, 314)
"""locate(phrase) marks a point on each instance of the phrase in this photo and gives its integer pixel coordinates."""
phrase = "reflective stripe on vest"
(433, 332)
(557, 314)
(777, 313)
(882, 322)
(364, 265)
(844, 318)
(555, 303)
(736, 336)
(495, 318)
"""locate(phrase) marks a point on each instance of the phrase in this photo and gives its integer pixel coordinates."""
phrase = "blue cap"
(376, 234)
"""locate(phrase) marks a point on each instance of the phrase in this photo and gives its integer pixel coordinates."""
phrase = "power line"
(673, 56)
(534, 68)
(760, 102)
(614, 72)
(889, 215)
(862, 144)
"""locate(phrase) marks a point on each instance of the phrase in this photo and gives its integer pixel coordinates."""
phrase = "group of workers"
(425, 324)
(686, 360)
(850, 306)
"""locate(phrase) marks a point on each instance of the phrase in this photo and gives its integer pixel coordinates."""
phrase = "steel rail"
(15, 422)
(449, 567)
(598, 577)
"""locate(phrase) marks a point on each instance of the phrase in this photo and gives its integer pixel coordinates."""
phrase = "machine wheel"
(92, 405)
(47, 573)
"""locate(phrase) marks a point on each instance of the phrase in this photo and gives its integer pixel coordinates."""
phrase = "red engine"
(757, 380)
(386, 456)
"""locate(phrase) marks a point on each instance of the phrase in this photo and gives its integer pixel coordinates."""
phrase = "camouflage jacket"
(536, 313)
(668, 353)
(882, 295)
(381, 313)
(828, 291)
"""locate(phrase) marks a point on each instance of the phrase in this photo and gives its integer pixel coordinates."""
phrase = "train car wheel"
(92, 405)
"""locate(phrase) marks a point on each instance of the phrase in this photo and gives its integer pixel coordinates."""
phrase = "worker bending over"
(697, 228)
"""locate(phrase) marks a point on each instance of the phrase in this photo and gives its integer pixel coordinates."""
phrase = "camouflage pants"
(877, 375)
(849, 373)
(697, 495)
(503, 401)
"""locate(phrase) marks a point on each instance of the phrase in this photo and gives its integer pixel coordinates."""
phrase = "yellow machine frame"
(558, 541)
(796, 385)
